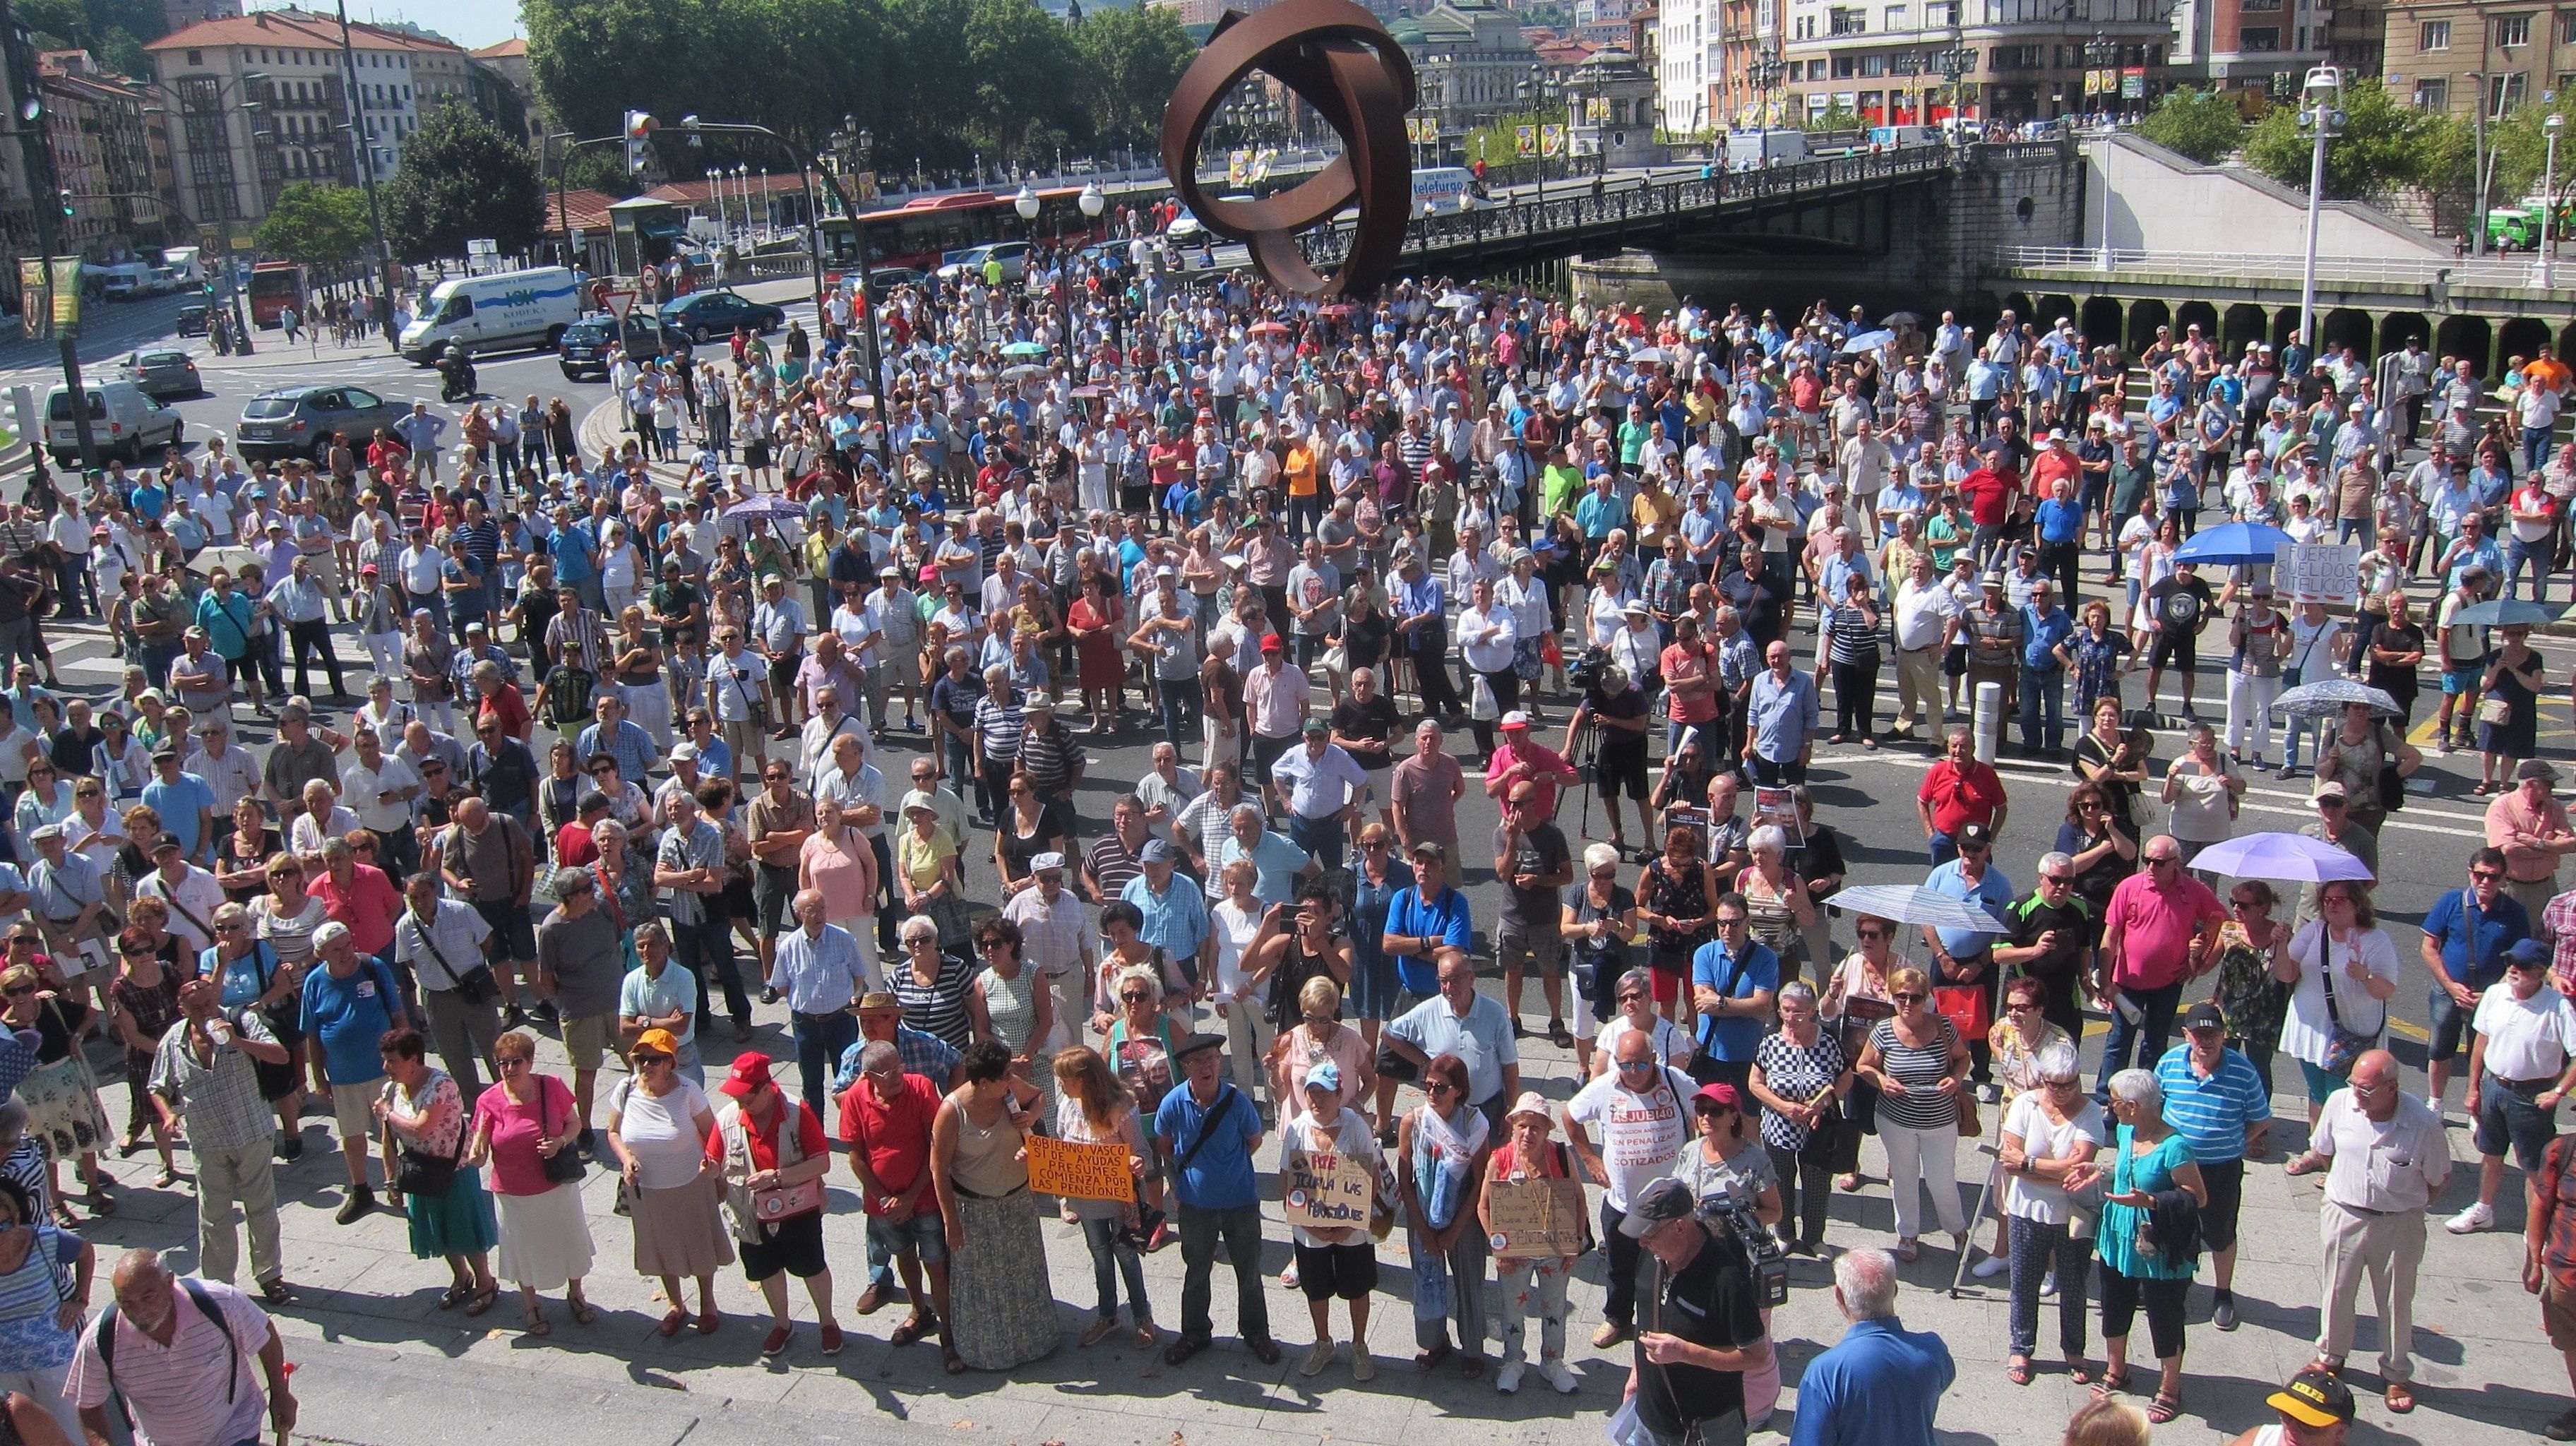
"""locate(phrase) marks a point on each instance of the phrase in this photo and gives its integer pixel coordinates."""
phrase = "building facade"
(122, 193)
(2443, 56)
(2244, 44)
(1469, 61)
(1888, 61)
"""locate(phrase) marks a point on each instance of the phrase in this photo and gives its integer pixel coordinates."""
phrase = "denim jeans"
(1321, 838)
(2043, 708)
(1182, 702)
(1109, 1261)
(2517, 554)
(704, 948)
(2148, 1036)
(820, 1038)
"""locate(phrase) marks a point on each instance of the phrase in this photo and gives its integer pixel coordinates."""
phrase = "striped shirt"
(219, 1100)
(1920, 1069)
(1852, 637)
(196, 1391)
(938, 1007)
(2212, 1111)
(1001, 725)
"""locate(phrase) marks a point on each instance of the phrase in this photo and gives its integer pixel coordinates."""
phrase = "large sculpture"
(1341, 61)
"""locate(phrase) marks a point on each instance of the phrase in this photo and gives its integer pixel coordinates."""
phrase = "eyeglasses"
(1909, 998)
(2244, 904)
(2068, 1083)
(2160, 860)
(2024, 1007)
(508, 1063)
(640, 1059)
(2057, 878)
(2330, 803)
(2486, 874)
(1736, 922)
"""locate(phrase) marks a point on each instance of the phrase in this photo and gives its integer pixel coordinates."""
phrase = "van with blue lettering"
(502, 311)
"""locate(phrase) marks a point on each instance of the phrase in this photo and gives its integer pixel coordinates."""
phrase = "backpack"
(104, 1339)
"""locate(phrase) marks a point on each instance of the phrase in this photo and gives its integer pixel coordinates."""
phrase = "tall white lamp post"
(2321, 116)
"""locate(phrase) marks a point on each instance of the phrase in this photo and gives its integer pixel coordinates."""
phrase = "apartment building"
(2258, 45)
(1888, 60)
(2444, 56)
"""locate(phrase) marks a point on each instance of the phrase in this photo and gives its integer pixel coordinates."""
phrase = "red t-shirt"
(1989, 497)
(1961, 796)
(2050, 465)
(574, 846)
(367, 906)
(895, 1134)
(505, 708)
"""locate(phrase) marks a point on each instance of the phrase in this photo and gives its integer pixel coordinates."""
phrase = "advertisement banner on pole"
(67, 295)
(1525, 140)
(1551, 140)
(35, 298)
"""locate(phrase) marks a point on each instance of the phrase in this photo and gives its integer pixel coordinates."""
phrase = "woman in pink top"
(837, 860)
(520, 1124)
(1318, 1035)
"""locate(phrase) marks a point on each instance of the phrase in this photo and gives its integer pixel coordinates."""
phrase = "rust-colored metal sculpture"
(1341, 61)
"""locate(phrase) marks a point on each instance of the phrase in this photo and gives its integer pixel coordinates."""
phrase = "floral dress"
(2097, 667)
(2255, 1003)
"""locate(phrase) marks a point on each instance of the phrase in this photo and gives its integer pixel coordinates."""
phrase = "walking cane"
(1985, 1190)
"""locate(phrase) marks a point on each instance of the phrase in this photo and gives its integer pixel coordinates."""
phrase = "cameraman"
(1700, 1322)
(1613, 703)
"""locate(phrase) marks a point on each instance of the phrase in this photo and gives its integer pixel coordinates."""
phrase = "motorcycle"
(458, 373)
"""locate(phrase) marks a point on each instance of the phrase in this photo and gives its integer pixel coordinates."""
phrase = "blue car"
(705, 315)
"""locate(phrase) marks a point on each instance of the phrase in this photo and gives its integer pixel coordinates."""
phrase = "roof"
(691, 193)
(294, 27)
(514, 48)
(586, 209)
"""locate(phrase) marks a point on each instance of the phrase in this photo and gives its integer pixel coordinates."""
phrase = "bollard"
(1989, 721)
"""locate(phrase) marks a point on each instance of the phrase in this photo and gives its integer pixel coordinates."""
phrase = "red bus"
(922, 232)
(274, 286)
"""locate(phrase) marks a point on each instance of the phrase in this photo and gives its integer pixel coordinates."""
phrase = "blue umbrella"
(1867, 340)
(2510, 612)
(2235, 544)
(1914, 904)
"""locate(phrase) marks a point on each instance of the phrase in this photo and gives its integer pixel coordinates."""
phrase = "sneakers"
(1317, 1359)
(2048, 1287)
(1989, 1268)
(1557, 1374)
(1989, 1093)
(2561, 1427)
(2472, 1220)
(1510, 1379)
(2222, 1311)
(831, 1338)
(1363, 1364)
(361, 1200)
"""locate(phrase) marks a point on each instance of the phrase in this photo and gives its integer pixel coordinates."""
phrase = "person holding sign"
(1532, 1266)
(1332, 1260)
(1440, 1150)
(1093, 1108)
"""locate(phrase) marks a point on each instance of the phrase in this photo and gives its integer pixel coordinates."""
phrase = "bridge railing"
(2269, 267)
(1581, 210)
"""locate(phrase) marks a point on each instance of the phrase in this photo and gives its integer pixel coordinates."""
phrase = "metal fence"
(2271, 269)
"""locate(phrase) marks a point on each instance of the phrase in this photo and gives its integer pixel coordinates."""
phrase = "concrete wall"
(2161, 201)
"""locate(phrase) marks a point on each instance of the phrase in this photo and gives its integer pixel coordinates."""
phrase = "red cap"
(750, 1072)
(1717, 1092)
(1270, 643)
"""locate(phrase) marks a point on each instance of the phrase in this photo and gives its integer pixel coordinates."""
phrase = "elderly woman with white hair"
(2149, 1159)
(2051, 1133)
(1776, 902)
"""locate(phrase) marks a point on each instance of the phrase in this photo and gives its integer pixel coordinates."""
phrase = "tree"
(2385, 144)
(2203, 125)
(1835, 117)
(317, 224)
(1131, 59)
(460, 179)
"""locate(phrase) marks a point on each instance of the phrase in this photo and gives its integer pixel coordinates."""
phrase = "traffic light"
(67, 203)
(640, 126)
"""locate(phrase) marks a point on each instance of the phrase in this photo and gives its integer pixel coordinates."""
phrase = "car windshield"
(261, 408)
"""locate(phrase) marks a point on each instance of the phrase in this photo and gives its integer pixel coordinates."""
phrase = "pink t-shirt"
(2155, 927)
(517, 1168)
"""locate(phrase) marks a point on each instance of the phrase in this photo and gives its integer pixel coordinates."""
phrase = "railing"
(2255, 268)
(1642, 201)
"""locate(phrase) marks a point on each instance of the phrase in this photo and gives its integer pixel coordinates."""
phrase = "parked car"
(196, 318)
(584, 349)
(1014, 256)
(706, 315)
(883, 280)
(123, 422)
(162, 373)
(299, 421)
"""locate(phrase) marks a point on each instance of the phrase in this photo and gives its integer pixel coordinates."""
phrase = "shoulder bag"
(2392, 784)
(2343, 1046)
(475, 986)
(425, 1175)
(563, 1167)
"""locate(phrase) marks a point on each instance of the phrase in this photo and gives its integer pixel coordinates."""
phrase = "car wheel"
(570, 375)
(701, 334)
(177, 431)
(554, 338)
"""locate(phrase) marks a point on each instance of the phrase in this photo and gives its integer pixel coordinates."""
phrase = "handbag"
(428, 1176)
(1970, 1008)
(475, 986)
(2392, 783)
(563, 1167)
(2494, 712)
(771, 1206)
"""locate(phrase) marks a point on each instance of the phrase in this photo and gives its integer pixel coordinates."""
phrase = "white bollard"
(1989, 721)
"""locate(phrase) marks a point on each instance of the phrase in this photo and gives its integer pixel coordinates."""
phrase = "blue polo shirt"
(1994, 892)
(1880, 1385)
(1220, 1175)
(350, 1016)
(2212, 1111)
(177, 803)
(2042, 632)
(2497, 929)
(1734, 1037)
(2060, 521)
(1176, 920)
(1444, 918)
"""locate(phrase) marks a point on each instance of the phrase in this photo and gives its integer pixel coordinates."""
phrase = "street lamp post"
(2321, 115)
(365, 153)
(2549, 198)
(34, 141)
(1092, 203)
(1026, 203)
(2098, 55)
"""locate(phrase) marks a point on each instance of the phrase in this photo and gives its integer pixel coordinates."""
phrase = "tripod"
(1587, 752)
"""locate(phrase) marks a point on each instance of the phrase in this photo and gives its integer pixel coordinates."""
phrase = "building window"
(1815, 70)
(196, 57)
(1843, 67)
(1840, 21)
(2567, 28)
(2259, 38)
(2513, 30)
(2504, 92)
(2433, 35)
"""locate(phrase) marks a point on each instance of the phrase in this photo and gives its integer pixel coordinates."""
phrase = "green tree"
(1020, 59)
(2384, 144)
(2203, 125)
(1131, 58)
(1835, 117)
(316, 224)
(460, 178)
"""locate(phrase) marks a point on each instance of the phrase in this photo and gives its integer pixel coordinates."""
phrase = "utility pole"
(366, 157)
(37, 157)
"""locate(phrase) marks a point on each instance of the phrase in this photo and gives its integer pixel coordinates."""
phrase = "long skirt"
(997, 1283)
(678, 1232)
(457, 1223)
(545, 1243)
(64, 1116)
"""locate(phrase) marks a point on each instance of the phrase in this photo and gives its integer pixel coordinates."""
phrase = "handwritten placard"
(1080, 1171)
(1325, 1190)
(2316, 572)
(1533, 1218)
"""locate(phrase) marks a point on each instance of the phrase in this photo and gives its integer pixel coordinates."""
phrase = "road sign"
(618, 304)
(482, 246)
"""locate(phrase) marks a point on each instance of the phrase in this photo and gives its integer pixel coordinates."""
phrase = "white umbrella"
(2292, 857)
(1914, 904)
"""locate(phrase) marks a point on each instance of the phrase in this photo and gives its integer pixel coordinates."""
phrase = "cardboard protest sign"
(1324, 1190)
(1537, 1217)
(1080, 1172)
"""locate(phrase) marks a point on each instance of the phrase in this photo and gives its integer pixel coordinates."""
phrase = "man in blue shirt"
(1207, 1132)
(1734, 978)
(1881, 1384)
(618, 736)
(2466, 937)
(1966, 956)
(1422, 920)
(1175, 915)
(185, 802)
(2215, 1099)
(1780, 721)
(2045, 631)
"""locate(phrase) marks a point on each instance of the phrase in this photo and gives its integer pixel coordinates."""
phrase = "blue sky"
(470, 23)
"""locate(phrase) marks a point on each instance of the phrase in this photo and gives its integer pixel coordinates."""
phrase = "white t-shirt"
(1234, 930)
(2045, 1139)
(1673, 1044)
(1637, 1137)
(2526, 1038)
(661, 1132)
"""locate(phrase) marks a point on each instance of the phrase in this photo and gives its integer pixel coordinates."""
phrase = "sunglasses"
(1909, 998)
(1872, 934)
(1132, 997)
(2486, 874)
(1443, 1087)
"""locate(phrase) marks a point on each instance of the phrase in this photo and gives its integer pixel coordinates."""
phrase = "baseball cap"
(1315, 726)
(1662, 1201)
(1156, 851)
(683, 751)
(2528, 954)
(2327, 790)
(656, 1041)
(2205, 1015)
(1324, 1075)
(1270, 643)
(750, 1072)
(1515, 721)
(2314, 1397)
(1973, 835)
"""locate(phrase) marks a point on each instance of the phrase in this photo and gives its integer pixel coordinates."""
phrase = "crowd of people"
(628, 739)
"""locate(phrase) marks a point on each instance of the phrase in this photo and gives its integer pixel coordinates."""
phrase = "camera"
(1583, 675)
(1762, 1253)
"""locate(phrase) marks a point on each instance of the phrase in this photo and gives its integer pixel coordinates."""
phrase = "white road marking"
(2412, 819)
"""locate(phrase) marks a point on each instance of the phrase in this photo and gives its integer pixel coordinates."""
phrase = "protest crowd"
(775, 722)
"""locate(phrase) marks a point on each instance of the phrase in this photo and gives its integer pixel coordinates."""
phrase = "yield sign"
(619, 303)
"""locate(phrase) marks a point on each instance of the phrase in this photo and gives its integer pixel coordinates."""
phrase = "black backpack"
(104, 1338)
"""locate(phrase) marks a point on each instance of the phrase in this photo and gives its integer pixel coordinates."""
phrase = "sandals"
(951, 1362)
(64, 1216)
(169, 1177)
(913, 1329)
(538, 1325)
(2167, 1405)
(1430, 1359)
(482, 1299)
(1909, 1250)
(100, 1203)
(2400, 1397)
(583, 1312)
(2017, 1370)
(454, 1296)
(2111, 1383)
(672, 1320)
(2080, 1373)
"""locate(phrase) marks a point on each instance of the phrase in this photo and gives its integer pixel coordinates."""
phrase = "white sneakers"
(1557, 1374)
(1990, 1267)
(1510, 1379)
(2472, 1220)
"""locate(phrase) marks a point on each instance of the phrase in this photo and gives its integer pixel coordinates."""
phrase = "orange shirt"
(1300, 468)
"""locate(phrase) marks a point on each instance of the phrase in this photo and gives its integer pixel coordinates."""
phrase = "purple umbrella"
(2287, 856)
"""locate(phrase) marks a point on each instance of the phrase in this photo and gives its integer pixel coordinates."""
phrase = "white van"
(125, 281)
(491, 313)
(185, 263)
(123, 422)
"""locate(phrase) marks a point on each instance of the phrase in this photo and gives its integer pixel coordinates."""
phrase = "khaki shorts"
(352, 1106)
(2558, 1316)
(589, 1039)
